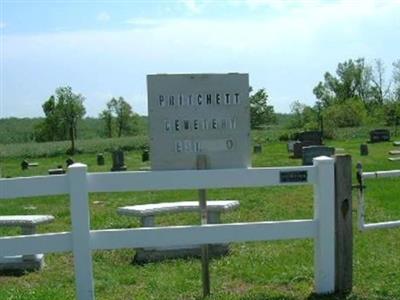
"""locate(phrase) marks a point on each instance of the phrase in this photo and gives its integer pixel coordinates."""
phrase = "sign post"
(199, 121)
(205, 272)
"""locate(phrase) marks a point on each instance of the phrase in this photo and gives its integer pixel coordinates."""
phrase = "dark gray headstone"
(69, 161)
(363, 149)
(311, 152)
(118, 161)
(57, 171)
(145, 155)
(379, 135)
(257, 149)
(310, 137)
(100, 159)
(24, 164)
(297, 149)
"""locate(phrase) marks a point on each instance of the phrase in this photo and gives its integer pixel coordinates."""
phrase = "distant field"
(260, 270)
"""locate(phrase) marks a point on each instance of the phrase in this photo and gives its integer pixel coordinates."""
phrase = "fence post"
(81, 231)
(343, 225)
(324, 215)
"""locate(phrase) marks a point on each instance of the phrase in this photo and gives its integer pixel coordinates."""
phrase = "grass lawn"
(259, 270)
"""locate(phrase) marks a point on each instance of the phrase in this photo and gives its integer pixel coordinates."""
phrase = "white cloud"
(192, 6)
(143, 22)
(286, 53)
(103, 17)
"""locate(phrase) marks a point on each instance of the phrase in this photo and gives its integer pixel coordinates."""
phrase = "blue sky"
(106, 48)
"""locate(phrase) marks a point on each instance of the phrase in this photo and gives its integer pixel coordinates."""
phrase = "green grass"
(259, 270)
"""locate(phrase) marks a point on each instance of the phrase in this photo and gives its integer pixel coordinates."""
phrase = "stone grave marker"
(145, 155)
(26, 165)
(394, 152)
(379, 135)
(363, 149)
(257, 148)
(69, 161)
(311, 152)
(118, 161)
(304, 139)
(100, 159)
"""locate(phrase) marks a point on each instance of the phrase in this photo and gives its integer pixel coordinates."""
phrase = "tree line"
(65, 109)
(358, 93)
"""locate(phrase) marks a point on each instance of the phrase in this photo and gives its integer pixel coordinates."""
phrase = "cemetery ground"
(257, 270)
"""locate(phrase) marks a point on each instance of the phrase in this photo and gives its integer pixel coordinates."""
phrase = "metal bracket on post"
(205, 272)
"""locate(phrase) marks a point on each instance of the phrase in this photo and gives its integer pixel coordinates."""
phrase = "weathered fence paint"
(81, 241)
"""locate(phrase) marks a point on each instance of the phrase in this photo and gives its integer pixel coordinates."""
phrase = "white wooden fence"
(81, 240)
(361, 200)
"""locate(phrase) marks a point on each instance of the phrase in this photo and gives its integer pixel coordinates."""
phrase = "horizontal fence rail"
(152, 180)
(205, 234)
(81, 240)
(361, 196)
(381, 174)
(162, 236)
(33, 186)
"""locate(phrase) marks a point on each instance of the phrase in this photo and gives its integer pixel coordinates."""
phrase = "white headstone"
(192, 114)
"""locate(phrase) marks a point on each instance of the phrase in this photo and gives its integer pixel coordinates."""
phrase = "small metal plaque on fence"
(293, 176)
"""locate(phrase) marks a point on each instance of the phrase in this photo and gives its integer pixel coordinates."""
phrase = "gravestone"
(69, 161)
(379, 135)
(363, 149)
(26, 165)
(57, 171)
(304, 139)
(297, 149)
(118, 161)
(310, 137)
(257, 149)
(192, 114)
(310, 152)
(145, 155)
(394, 152)
(290, 146)
(100, 159)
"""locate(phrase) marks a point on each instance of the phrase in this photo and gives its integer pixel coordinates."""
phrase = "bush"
(350, 113)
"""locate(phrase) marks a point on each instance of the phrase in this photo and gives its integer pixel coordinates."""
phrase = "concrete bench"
(148, 212)
(28, 224)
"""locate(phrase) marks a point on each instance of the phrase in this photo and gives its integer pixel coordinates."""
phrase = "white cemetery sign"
(192, 114)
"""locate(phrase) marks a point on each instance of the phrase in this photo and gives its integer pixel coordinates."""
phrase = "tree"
(396, 80)
(379, 89)
(107, 117)
(71, 111)
(51, 129)
(62, 113)
(351, 113)
(260, 112)
(352, 81)
(303, 116)
(118, 112)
